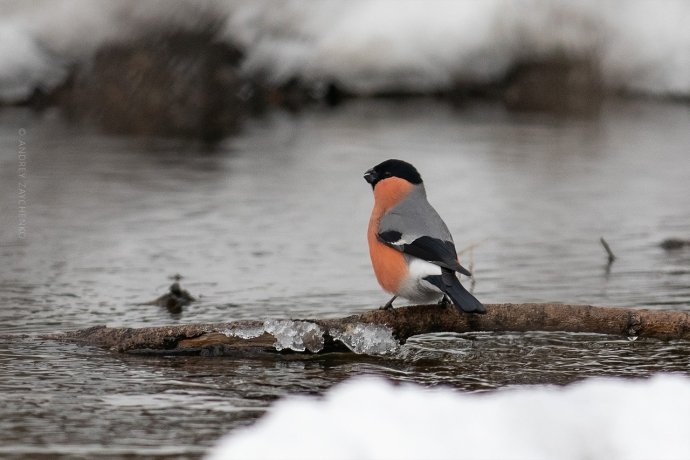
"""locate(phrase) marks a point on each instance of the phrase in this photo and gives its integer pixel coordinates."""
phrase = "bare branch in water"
(326, 335)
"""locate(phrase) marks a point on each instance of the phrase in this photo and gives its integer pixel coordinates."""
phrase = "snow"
(408, 45)
(295, 335)
(370, 418)
(367, 339)
(367, 45)
(288, 334)
(24, 66)
(245, 332)
(304, 335)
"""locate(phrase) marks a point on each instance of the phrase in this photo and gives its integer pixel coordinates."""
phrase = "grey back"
(415, 217)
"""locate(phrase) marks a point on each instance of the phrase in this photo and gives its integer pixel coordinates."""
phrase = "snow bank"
(40, 39)
(369, 418)
(373, 45)
(368, 45)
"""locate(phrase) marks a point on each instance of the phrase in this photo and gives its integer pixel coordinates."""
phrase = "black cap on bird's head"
(392, 168)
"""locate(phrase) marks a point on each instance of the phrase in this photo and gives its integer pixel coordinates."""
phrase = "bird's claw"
(389, 304)
(445, 302)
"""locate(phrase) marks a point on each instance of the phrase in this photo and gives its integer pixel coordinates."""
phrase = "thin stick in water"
(612, 256)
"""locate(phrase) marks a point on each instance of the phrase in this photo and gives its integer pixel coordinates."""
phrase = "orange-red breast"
(411, 249)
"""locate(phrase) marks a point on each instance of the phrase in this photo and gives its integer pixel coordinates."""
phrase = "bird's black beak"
(371, 177)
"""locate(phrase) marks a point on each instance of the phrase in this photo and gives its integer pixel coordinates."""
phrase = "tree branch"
(331, 335)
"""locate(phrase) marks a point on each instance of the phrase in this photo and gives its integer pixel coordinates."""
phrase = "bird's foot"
(389, 304)
(445, 302)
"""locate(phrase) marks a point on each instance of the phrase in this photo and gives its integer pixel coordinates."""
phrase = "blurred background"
(225, 142)
(196, 68)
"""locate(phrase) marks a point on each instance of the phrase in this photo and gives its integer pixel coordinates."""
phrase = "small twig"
(473, 281)
(175, 298)
(612, 256)
(470, 266)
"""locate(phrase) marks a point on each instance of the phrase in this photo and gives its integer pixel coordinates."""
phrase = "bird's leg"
(389, 304)
(445, 301)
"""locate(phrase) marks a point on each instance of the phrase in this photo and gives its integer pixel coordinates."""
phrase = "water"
(271, 224)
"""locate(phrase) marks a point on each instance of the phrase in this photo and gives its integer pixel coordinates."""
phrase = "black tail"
(449, 283)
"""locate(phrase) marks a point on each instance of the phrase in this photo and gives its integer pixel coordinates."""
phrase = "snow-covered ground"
(366, 45)
(370, 418)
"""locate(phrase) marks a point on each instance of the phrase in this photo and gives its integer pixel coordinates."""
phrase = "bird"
(411, 249)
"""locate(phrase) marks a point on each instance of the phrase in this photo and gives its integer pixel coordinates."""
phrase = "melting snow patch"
(373, 419)
(244, 332)
(367, 339)
(295, 335)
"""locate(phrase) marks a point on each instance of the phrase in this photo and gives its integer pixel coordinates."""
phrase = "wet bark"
(403, 322)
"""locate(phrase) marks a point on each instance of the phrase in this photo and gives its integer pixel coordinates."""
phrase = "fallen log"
(380, 331)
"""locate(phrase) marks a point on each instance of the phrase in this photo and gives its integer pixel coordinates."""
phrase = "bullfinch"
(411, 249)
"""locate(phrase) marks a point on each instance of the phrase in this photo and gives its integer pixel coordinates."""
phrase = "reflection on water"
(272, 225)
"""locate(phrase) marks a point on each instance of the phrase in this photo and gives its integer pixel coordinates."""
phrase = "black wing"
(433, 250)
